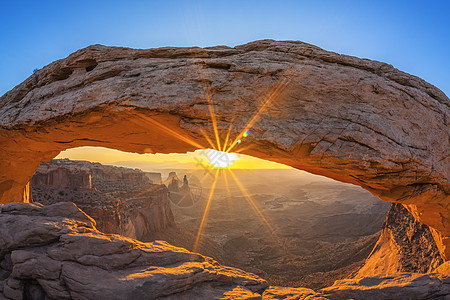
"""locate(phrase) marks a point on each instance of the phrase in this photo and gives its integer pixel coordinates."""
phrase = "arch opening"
(259, 216)
(347, 119)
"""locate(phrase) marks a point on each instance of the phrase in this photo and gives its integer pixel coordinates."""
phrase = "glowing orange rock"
(354, 120)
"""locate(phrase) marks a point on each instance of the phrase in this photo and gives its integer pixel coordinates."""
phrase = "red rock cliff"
(121, 200)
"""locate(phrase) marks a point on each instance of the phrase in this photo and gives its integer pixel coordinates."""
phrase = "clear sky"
(414, 36)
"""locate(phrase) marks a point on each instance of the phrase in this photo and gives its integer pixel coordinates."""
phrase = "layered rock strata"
(405, 245)
(122, 200)
(55, 252)
(60, 177)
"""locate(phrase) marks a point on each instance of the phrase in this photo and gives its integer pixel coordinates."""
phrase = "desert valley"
(358, 210)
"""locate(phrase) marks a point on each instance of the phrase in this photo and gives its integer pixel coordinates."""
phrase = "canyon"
(59, 254)
(315, 219)
(353, 120)
(317, 231)
(121, 200)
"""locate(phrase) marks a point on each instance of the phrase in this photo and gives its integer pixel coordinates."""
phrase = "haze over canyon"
(374, 224)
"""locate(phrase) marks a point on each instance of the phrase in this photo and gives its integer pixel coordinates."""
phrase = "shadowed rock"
(354, 120)
(67, 258)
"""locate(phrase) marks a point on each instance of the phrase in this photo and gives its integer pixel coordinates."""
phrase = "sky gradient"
(411, 35)
(148, 162)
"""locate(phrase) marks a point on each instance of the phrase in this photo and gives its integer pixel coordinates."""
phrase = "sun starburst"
(220, 156)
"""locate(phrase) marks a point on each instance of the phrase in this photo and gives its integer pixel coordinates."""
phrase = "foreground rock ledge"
(354, 120)
(55, 252)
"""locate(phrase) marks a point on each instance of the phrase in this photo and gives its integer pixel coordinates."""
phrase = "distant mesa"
(61, 174)
(121, 200)
(154, 177)
(181, 193)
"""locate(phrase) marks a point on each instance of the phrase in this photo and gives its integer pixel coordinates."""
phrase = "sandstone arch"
(354, 120)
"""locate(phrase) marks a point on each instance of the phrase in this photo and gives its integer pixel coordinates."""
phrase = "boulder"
(67, 258)
(353, 120)
(381, 287)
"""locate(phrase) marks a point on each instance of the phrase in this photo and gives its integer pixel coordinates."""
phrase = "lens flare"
(219, 159)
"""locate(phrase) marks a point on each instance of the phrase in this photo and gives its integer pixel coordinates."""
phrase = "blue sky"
(414, 36)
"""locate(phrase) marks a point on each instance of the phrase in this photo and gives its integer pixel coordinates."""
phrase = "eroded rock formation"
(121, 200)
(61, 176)
(154, 177)
(405, 245)
(56, 252)
(354, 120)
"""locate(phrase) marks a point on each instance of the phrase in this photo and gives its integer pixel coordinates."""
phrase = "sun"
(219, 159)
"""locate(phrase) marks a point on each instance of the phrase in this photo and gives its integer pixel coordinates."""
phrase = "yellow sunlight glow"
(256, 210)
(205, 213)
(219, 159)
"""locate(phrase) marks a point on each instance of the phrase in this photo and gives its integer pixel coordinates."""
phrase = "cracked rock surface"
(63, 256)
(55, 251)
(353, 120)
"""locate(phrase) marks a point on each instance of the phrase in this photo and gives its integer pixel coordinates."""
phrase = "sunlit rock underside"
(354, 120)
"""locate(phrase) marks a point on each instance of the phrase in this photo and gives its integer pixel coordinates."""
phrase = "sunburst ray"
(279, 88)
(256, 210)
(209, 98)
(227, 137)
(208, 139)
(229, 198)
(169, 131)
(205, 214)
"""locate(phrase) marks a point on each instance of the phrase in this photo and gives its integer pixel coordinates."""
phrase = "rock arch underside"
(353, 120)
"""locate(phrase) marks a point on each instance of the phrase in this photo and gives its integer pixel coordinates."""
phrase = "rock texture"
(55, 251)
(400, 286)
(146, 213)
(354, 120)
(122, 200)
(59, 254)
(405, 245)
(53, 175)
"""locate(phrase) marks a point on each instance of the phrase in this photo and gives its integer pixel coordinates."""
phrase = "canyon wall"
(55, 252)
(353, 120)
(154, 177)
(405, 245)
(121, 200)
(146, 214)
(58, 175)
